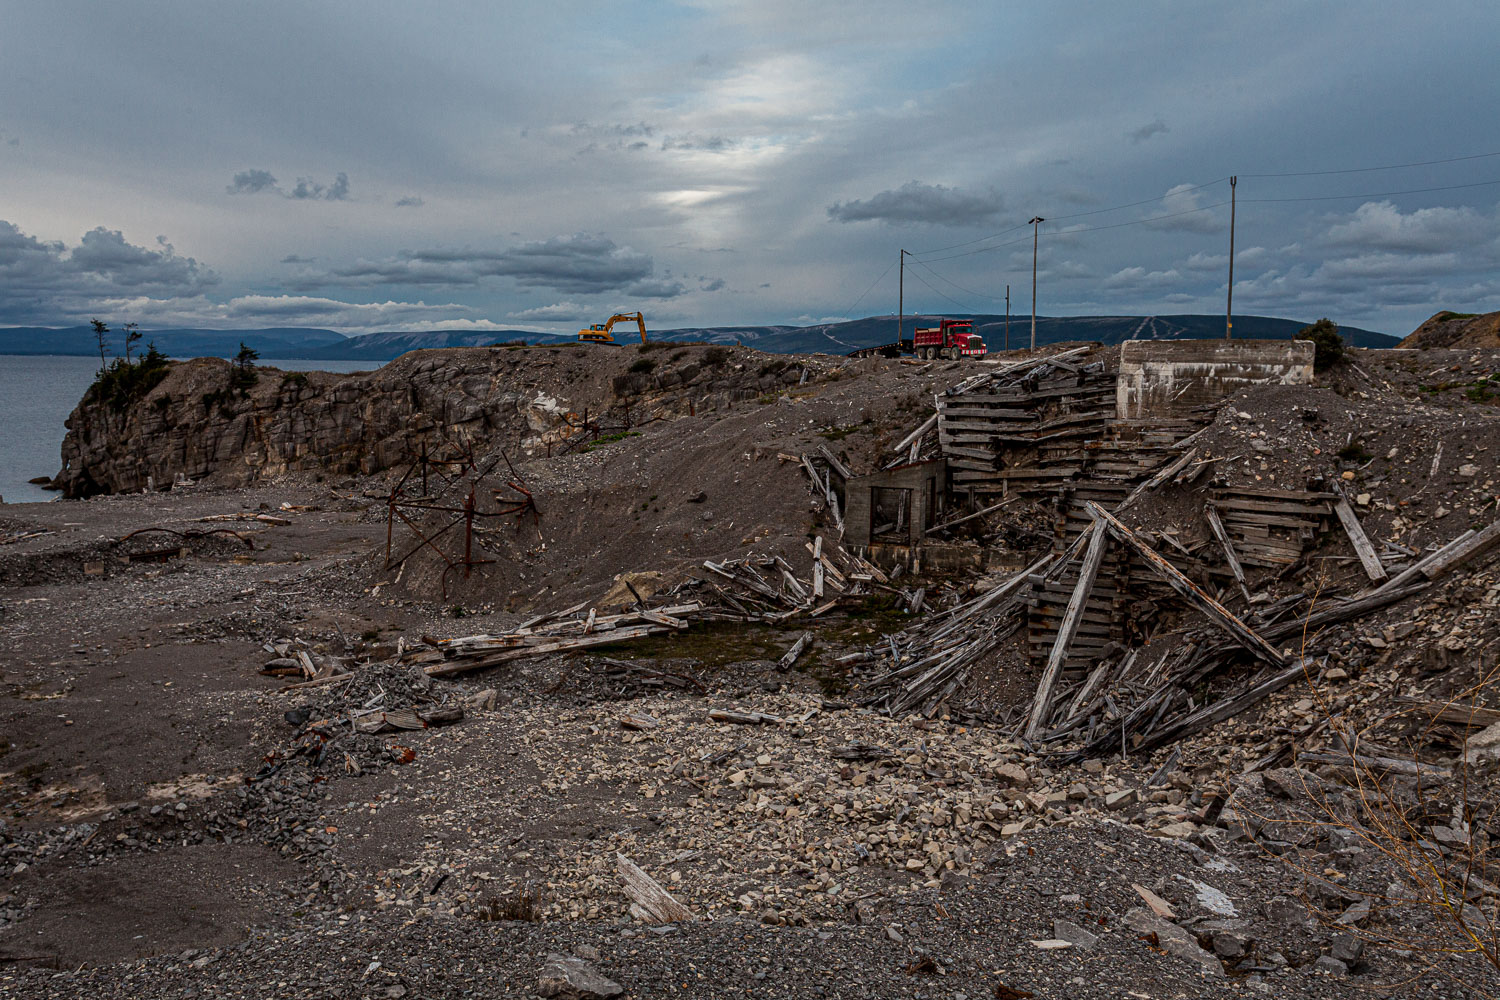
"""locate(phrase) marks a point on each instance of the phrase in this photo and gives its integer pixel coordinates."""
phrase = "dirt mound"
(1457, 330)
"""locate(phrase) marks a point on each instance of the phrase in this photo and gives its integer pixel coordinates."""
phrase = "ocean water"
(37, 392)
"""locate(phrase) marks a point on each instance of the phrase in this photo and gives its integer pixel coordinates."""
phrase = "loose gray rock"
(574, 979)
(1066, 930)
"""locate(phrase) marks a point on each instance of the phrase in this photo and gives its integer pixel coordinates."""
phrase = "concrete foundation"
(1167, 378)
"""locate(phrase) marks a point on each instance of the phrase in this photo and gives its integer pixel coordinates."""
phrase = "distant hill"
(1457, 330)
(829, 338)
(273, 342)
(839, 338)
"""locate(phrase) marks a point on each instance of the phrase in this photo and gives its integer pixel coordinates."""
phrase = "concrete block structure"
(1169, 378)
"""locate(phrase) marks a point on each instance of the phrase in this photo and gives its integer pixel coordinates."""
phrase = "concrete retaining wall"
(1165, 378)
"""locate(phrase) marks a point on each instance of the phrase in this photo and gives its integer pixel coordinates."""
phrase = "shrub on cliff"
(123, 382)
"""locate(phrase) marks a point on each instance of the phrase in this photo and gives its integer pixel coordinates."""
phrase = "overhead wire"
(867, 291)
(1365, 170)
(920, 257)
(1377, 194)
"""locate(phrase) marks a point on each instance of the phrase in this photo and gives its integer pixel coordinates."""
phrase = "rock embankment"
(1456, 330)
(197, 425)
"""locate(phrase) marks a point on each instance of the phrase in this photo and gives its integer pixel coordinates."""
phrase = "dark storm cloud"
(705, 143)
(252, 182)
(258, 181)
(41, 279)
(309, 189)
(583, 263)
(913, 202)
(1157, 127)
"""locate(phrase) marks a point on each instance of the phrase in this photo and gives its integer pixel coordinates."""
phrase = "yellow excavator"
(599, 333)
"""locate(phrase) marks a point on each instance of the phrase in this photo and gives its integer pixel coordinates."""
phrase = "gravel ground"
(174, 823)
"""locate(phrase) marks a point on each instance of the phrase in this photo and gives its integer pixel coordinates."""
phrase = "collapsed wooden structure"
(1111, 677)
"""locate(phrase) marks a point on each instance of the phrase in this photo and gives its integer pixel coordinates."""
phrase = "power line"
(1089, 229)
(1377, 194)
(867, 291)
(961, 288)
(1364, 170)
(934, 291)
(1080, 215)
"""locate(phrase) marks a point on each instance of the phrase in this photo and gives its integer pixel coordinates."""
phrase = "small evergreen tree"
(131, 336)
(244, 374)
(99, 331)
(1328, 346)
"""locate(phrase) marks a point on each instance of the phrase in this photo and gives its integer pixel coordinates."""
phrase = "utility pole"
(901, 302)
(1007, 317)
(1036, 222)
(1229, 306)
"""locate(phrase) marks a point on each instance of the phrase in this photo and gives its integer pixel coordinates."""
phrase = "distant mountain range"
(294, 343)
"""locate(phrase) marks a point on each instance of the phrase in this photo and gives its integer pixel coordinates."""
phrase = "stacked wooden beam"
(994, 435)
(1272, 528)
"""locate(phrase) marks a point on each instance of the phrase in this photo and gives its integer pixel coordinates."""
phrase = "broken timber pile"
(1272, 528)
(547, 634)
(768, 588)
(1128, 706)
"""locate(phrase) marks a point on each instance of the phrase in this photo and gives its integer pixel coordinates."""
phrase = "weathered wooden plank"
(916, 435)
(649, 902)
(790, 656)
(1274, 506)
(1065, 633)
(1458, 553)
(1217, 526)
(1362, 547)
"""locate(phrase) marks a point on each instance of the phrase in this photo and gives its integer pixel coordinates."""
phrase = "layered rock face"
(528, 400)
(1457, 330)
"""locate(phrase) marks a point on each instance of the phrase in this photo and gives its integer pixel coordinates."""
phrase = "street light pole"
(1035, 225)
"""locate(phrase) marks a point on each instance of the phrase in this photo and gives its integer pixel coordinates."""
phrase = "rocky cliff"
(1456, 330)
(196, 424)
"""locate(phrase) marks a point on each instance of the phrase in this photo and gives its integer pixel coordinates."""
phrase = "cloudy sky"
(387, 165)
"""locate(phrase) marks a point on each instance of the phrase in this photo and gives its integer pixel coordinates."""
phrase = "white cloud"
(1382, 226)
(1140, 278)
(1183, 209)
(556, 312)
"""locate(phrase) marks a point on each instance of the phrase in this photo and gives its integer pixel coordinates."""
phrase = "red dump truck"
(951, 339)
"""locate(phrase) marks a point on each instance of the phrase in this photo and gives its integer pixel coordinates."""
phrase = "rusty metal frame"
(401, 505)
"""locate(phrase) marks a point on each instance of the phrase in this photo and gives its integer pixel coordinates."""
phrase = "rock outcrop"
(195, 424)
(1456, 330)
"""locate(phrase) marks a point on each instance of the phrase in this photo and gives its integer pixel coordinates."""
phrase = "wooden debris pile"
(556, 632)
(1136, 702)
(770, 589)
(923, 667)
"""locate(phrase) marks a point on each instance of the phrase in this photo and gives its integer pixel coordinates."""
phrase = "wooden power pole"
(1007, 317)
(1035, 224)
(1229, 306)
(901, 301)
